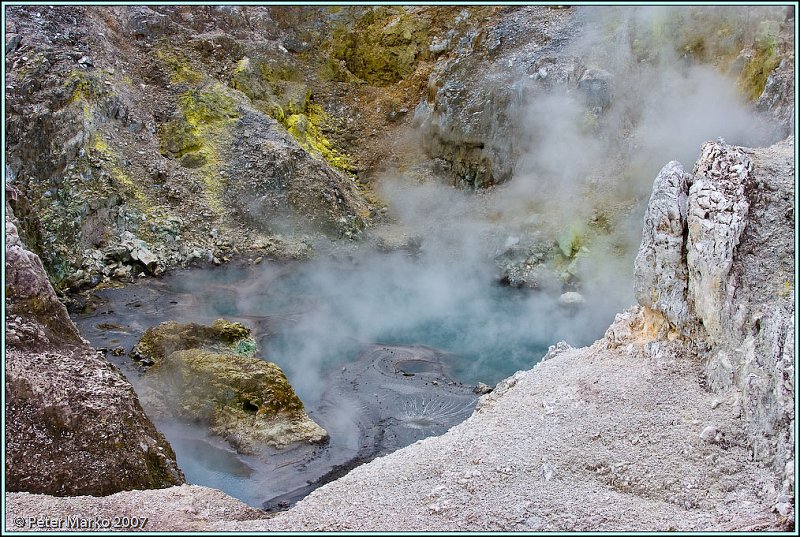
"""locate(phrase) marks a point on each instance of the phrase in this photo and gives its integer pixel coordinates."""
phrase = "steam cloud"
(573, 165)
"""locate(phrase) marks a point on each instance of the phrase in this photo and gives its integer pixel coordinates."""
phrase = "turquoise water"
(313, 317)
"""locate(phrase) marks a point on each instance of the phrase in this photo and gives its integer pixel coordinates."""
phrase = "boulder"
(209, 374)
(597, 87)
(140, 252)
(73, 422)
(225, 337)
(660, 268)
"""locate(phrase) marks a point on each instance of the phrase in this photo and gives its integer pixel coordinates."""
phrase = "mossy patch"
(121, 182)
(277, 90)
(222, 336)
(178, 67)
(201, 107)
(178, 137)
(84, 87)
(307, 129)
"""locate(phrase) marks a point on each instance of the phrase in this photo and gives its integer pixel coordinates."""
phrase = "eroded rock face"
(722, 276)
(210, 375)
(73, 423)
(128, 141)
(470, 116)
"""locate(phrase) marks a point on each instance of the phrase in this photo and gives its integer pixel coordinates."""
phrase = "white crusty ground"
(592, 439)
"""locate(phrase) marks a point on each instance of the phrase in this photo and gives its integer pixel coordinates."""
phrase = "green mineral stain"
(753, 78)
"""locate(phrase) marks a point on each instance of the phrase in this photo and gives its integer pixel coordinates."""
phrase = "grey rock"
(597, 87)
(139, 251)
(74, 424)
(571, 300)
(736, 304)
(13, 42)
(660, 272)
(482, 389)
(716, 216)
(548, 471)
(777, 99)
(555, 350)
(711, 435)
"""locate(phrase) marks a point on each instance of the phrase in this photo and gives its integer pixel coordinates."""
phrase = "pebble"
(548, 470)
(711, 435)
(482, 388)
(783, 508)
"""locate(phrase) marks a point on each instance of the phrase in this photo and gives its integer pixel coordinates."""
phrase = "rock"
(470, 116)
(717, 278)
(571, 300)
(777, 99)
(660, 272)
(597, 87)
(716, 217)
(555, 350)
(209, 374)
(74, 424)
(13, 41)
(222, 336)
(784, 508)
(711, 435)
(482, 389)
(384, 46)
(548, 471)
(139, 251)
(29, 293)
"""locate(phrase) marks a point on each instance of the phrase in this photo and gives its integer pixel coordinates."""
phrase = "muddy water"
(379, 361)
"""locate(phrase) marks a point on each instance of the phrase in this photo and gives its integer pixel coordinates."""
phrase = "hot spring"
(315, 318)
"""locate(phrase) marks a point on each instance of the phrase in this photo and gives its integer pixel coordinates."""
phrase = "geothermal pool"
(315, 319)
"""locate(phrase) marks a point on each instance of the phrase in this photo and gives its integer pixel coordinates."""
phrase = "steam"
(575, 167)
(574, 163)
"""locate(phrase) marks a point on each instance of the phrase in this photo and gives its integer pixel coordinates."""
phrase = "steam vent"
(400, 268)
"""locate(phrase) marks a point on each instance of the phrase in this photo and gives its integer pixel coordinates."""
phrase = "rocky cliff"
(716, 264)
(146, 138)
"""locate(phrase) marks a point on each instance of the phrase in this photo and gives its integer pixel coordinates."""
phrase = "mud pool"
(383, 351)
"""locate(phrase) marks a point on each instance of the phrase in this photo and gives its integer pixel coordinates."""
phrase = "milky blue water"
(315, 316)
